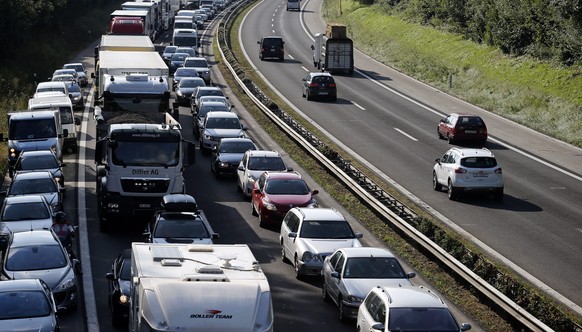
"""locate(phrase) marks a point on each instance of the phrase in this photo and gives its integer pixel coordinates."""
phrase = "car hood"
(34, 144)
(56, 172)
(327, 246)
(215, 132)
(26, 225)
(361, 287)
(291, 200)
(52, 277)
(231, 157)
(33, 324)
(187, 90)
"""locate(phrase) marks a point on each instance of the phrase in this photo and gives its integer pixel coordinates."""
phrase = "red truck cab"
(126, 26)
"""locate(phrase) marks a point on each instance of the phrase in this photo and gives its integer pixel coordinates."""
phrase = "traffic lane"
(407, 159)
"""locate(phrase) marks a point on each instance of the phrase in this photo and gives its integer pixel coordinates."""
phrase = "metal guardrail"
(378, 199)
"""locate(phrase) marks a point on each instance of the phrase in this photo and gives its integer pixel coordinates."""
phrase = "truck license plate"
(144, 206)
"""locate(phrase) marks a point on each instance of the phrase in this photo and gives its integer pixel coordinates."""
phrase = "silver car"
(81, 72)
(27, 305)
(201, 66)
(350, 273)
(37, 183)
(24, 213)
(36, 254)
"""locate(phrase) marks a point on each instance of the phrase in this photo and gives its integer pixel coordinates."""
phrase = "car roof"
(33, 237)
(468, 152)
(221, 114)
(73, 64)
(33, 175)
(263, 153)
(20, 285)
(51, 84)
(410, 296)
(366, 252)
(284, 175)
(317, 73)
(213, 88)
(272, 37)
(326, 214)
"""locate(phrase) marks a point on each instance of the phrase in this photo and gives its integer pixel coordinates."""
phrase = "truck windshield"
(120, 103)
(140, 153)
(32, 129)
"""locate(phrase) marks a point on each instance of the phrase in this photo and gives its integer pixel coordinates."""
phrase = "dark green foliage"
(544, 29)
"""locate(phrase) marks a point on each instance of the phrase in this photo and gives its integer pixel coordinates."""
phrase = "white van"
(185, 37)
(293, 5)
(58, 101)
(183, 22)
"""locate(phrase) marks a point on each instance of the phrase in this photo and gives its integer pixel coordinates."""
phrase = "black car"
(271, 47)
(186, 87)
(119, 283)
(319, 84)
(177, 61)
(228, 154)
(40, 160)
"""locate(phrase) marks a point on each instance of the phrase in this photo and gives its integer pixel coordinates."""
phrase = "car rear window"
(322, 79)
(268, 42)
(479, 162)
(470, 121)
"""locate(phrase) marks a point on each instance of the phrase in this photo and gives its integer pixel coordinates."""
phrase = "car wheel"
(283, 256)
(451, 191)
(261, 222)
(449, 139)
(435, 182)
(253, 210)
(296, 267)
(342, 314)
(498, 194)
(334, 99)
(440, 136)
(324, 293)
(302, 93)
(307, 95)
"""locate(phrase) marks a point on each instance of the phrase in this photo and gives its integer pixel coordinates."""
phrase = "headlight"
(354, 299)
(124, 299)
(207, 136)
(223, 164)
(313, 204)
(269, 206)
(67, 284)
(178, 92)
(251, 179)
(77, 98)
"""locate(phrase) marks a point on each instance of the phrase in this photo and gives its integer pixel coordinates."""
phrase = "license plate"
(145, 206)
(470, 131)
(480, 175)
(323, 93)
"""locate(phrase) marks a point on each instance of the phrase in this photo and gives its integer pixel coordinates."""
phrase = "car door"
(241, 171)
(334, 284)
(370, 312)
(290, 225)
(441, 168)
(257, 195)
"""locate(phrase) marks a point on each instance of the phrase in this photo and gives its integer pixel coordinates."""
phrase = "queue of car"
(39, 275)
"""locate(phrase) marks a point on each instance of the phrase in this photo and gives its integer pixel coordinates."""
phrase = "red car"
(462, 127)
(275, 193)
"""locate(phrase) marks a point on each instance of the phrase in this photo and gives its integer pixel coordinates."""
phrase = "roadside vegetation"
(38, 37)
(463, 296)
(537, 84)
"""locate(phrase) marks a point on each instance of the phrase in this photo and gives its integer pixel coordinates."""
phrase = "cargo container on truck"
(142, 14)
(197, 287)
(333, 51)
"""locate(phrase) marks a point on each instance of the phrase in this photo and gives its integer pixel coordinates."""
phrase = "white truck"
(333, 51)
(197, 287)
(135, 82)
(137, 164)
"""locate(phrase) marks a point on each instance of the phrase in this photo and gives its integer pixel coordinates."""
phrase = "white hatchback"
(467, 170)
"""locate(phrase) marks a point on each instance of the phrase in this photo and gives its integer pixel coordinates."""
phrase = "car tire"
(341, 309)
(450, 139)
(498, 195)
(439, 135)
(334, 99)
(307, 95)
(435, 182)
(324, 293)
(253, 210)
(451, 191)
(298, 275)
(261, 222)
(283, 256)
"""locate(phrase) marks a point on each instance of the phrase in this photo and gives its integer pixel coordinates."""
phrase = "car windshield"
(25, 211)
(187, 50)
(213, 92)
(479, 162)
(183, 226)
(78, 68)
(315, 229)
(204, 109)
(222, 123)
(197, 63)
(37, 162)
(179, 56)
(33, 186)
(51, 89)
(36, 257)
(286, 187)
(170, 49)
(266, 164)
(72, 87)
(125, 270)
(373, 268)
(185, 83)
(236, 147)
(23, 304)
(421, 319)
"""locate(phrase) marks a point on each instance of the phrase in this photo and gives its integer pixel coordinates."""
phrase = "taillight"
(498, 171)
(460, 170)
(313, 85)
(332, 85)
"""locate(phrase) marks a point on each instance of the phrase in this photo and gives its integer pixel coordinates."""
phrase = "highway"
(388, 121)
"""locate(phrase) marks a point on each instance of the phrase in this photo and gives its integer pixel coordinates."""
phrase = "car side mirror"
(292, 235)
(438, 161)
(411, 275)
(63, 165)
(303, 79)
(110, 276)
(312, 47)
(3, 193)
(442, 121)
(256, 191)
(289, 169)
(377, 327)
(215, 236)
(62, 190)
(314, 192)
(359, 235)
(77, 121)
(241, 168)
(465, 327)
(258, 42)
(335, 274)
